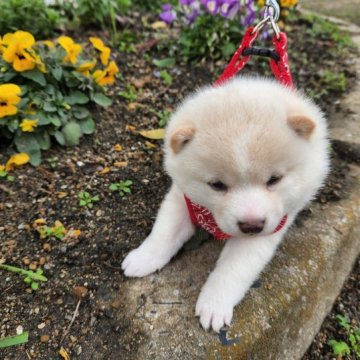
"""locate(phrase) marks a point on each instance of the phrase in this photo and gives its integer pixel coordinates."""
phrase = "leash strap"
(280, 68)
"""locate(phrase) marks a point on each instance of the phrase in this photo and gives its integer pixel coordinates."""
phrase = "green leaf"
(55, 121)
(164, 63)
(49, 107)
(228, 49)
(95, 198)
(166, 77)
(82, 203)
(339, 347)
(57, 73)
(126, 190)
(34, 286)
(90, 205)
(35, 75)
(343, 321)
(27, 280)
(87, 126)
(14, 340)
(102, 99)
(3, 173)
(27, 143)
(60, 138)
(43, 140)
(76, 97)
(72, 133)
(10, 178)
(7, 77)
(44, 119)
(80, 112)
(113, 187)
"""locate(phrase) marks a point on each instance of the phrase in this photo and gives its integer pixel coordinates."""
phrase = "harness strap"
(238, 60)
(280, 68)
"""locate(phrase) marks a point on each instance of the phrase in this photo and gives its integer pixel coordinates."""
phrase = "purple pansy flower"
(191, 9)
(191, 17)
(250, 16)
(186, 2)
(229, 8)
(212, 6)
(168, 15)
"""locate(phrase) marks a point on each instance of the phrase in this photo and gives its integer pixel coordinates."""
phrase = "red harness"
(200, 216)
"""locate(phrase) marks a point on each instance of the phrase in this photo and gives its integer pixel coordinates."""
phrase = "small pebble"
(47, 247)
(42, 260)
(63, 249)
(44, 338)
(19, 330)
(78, 350)
(73, 338)
(32, 266)
(80, 292)
(41, 326)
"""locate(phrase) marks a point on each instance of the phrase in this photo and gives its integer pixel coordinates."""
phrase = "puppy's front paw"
(214, 311)
(142, 261)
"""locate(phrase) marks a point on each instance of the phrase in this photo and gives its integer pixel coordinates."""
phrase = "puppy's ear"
(181, 137)
(302, 125)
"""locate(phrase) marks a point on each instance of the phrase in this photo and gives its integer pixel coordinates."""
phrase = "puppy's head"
(250, 151)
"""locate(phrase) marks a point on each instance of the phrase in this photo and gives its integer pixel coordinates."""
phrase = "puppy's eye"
(275, 179)
(218, 186)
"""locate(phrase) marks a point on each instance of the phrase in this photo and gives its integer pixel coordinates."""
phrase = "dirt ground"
(118, 223)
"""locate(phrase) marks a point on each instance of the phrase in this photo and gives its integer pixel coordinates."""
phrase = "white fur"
(241, 137)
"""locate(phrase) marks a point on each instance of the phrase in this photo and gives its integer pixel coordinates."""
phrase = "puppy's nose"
(251, 227)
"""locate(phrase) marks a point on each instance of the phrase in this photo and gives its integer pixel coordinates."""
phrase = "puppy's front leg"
(172, 228)
(240, 263)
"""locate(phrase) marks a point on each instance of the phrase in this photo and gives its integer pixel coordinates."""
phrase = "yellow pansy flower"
(72, 49)
(288, 3)
(104, 50)
(86, 67)
(28, 125)
(17, 160)
(17, 50)
(48, 43)
(283, 3)
(106, 76)
(9, 97)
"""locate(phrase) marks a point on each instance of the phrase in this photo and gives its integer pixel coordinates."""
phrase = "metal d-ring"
(270, 16)
(275, 14)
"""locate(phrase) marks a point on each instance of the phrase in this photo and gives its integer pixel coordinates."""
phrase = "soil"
(118, 223)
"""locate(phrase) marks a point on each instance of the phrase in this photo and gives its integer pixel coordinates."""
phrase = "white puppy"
(252, 153)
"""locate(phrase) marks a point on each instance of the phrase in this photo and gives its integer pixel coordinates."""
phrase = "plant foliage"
(30, 15)
(48, 89)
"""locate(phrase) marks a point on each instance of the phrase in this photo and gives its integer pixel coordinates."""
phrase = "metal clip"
(275, 13)
(271, 16)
